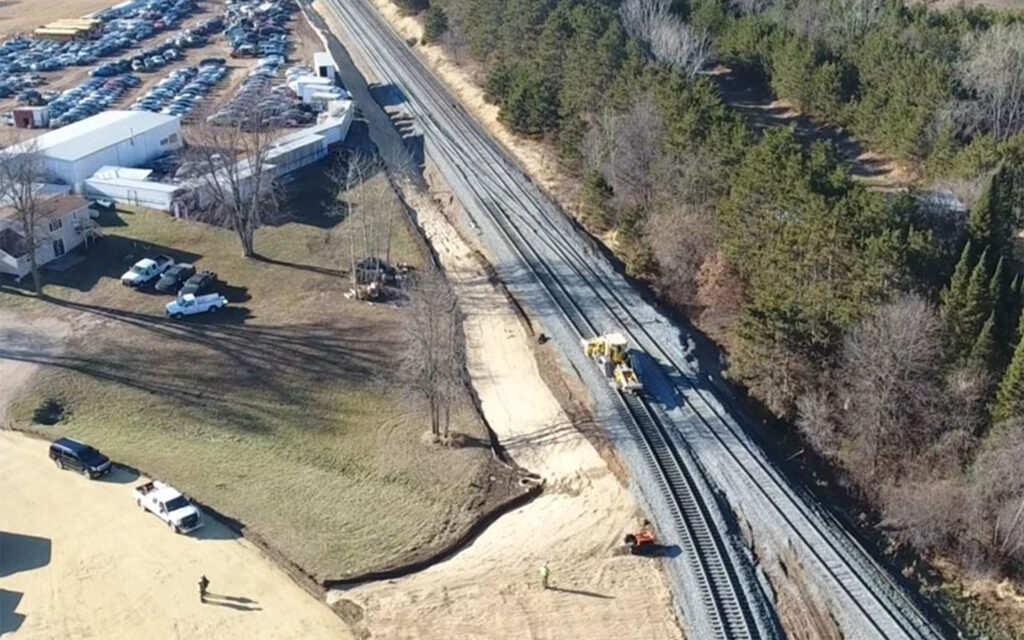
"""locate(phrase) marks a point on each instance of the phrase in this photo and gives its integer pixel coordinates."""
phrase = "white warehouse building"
(73, 153)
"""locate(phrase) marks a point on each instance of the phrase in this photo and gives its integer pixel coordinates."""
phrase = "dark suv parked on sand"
(72, 454)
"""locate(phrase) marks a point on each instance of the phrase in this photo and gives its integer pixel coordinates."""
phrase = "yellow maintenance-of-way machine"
(611, 352)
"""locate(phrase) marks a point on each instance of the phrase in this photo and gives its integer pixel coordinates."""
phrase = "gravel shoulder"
(80, 560)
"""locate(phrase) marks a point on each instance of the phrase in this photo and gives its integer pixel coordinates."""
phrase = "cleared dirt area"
(281, 411)
(79, 560)
(22, 16)
(492, 588)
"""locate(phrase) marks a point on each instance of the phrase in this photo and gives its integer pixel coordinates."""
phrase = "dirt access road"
(79, 560)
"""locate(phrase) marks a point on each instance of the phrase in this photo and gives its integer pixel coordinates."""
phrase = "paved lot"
(79, 560)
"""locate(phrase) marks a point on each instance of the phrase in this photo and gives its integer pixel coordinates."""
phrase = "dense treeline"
(939, 88)
(886, 327)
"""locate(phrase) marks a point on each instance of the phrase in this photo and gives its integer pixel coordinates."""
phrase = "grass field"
(279, 411)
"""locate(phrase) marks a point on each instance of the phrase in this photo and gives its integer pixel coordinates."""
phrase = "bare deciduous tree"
(21, 171)
(238, 184)
(626, 149)
(368, 203)
(750, 6)
(679, 229)
(996, 499)
(434, 355)
(887, 411)
(669, 39)
(992, 72)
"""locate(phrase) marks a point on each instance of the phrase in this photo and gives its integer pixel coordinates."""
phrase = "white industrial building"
(73, 153)
(133, 187)
(323, 64)
(290, 152)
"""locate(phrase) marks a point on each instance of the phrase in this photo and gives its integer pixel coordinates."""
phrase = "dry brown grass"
(279, 411)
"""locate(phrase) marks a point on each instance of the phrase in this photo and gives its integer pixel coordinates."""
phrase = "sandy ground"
(491, 589)
(40, 335)
(22, 16)
(80, 560)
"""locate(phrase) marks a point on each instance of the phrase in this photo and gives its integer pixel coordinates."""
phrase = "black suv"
(72, 454)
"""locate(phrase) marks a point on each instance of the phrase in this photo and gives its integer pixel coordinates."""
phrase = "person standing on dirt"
(203, 584)
(544, 573)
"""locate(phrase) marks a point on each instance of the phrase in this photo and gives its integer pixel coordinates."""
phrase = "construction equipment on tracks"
(639, 541)
(611, 352)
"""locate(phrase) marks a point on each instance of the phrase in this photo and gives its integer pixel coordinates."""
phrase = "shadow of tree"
(246, 373)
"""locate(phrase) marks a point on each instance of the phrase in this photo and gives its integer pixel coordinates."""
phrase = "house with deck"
(63, 222)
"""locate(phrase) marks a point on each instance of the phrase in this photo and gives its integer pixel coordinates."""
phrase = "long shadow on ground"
(282, 361)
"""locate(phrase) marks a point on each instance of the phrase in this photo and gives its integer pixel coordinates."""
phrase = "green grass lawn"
(280, 411)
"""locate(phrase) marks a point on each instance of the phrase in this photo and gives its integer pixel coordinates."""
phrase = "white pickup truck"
(168, 504)
(190, 304)
(146, 270)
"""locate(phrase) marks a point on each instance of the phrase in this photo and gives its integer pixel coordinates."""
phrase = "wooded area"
(884, 326)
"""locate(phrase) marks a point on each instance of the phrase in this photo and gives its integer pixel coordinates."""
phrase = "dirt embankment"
(492, 588)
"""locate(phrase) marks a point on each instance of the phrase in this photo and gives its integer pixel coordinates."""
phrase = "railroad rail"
(587, 291)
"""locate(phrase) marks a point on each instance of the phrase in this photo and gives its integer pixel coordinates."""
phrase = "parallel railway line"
(592, 298)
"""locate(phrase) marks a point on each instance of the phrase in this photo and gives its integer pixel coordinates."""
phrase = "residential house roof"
(50, 208)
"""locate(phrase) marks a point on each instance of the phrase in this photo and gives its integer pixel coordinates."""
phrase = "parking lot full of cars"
(22, 59)
(89, 98)
(252, 28)
(182, 90)
(259, 101)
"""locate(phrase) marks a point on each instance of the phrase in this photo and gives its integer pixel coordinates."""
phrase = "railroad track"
(581, 287)
(702, 545)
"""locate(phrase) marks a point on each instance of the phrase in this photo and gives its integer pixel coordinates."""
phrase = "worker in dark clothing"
(203, 584)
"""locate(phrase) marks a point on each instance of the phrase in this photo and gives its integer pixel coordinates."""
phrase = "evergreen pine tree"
(988, 223)
(596, 203)
(996, 285)
(1009, 400)
(953, 296)
(1016, 304)
(983, 351)
(976, 306)
(1005, 311)
(435, 24)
